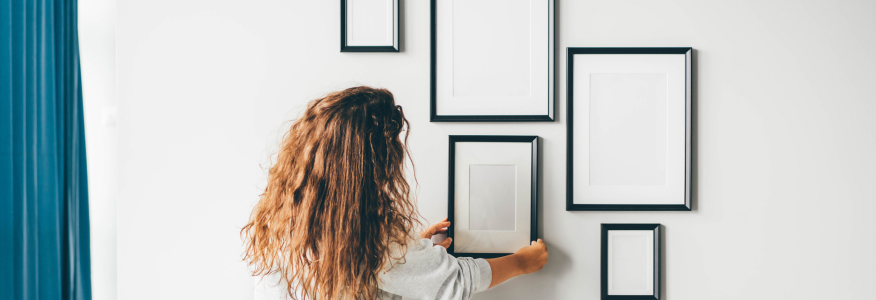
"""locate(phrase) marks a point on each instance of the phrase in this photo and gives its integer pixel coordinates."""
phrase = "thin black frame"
(533, 234)
(570, 68)
(549, 117)
(604, 261)
(396, 31)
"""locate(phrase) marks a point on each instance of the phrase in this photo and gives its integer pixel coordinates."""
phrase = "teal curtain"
(44, 241)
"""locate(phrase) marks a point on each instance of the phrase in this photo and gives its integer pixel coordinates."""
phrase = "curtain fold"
(44, 241)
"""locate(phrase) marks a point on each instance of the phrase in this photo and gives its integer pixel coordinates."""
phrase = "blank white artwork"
(630, 262)
(371, 22)
(492, 197)
(496, 60)
(492, 159)
(494, 57)
(629, 129)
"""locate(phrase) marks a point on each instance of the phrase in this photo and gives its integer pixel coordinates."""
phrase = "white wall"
(783, 172)
(97, 49)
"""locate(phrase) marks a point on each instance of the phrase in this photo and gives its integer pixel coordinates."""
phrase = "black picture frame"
(604, 261)
(549, 117)
(570, 60)
(533, 235)
(346, 48)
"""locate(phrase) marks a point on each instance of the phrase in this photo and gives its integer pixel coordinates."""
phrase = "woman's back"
(337, 214)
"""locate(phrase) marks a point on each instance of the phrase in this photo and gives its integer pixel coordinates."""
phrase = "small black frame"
(570, 71)
(533, 235)
(345, 48)
(604, 261)
(433, 115)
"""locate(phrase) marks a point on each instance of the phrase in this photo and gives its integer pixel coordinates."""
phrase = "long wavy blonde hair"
(337, 207)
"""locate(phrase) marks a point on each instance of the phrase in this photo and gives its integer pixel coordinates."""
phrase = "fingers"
(445, 243)
(542, 258)
(439, 227)
(540, 242)
(544, 247)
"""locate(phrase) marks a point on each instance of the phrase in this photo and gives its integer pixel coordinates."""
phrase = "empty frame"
(492, 190)
(628, 129)
(369, 26)
(630, 262)
(492, 60)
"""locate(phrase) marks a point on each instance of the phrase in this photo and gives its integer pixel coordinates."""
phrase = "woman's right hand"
(533, 257)
(526, 260)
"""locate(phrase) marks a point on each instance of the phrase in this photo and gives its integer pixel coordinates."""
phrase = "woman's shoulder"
(418, 250)
(427, 271)
(422, 262)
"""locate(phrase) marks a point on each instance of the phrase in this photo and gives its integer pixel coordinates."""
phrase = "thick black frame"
(552, 95)
(570, 60)
(604, 261)
(345, 48)
(533, 234)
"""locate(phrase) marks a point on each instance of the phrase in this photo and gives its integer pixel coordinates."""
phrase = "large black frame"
(345, 48)
(434, 117)
(570, 68)
(533, 235)
(604, 261)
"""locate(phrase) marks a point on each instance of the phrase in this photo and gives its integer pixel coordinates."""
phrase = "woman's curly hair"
(337, 208)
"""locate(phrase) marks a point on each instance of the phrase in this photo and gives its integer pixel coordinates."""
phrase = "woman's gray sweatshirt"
(427, 272)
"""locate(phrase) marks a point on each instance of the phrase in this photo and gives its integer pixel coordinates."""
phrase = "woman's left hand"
(440, 227)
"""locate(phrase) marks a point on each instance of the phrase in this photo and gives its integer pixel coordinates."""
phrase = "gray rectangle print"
(492, 194)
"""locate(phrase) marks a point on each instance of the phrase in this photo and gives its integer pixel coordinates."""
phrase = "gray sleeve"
(428, 272)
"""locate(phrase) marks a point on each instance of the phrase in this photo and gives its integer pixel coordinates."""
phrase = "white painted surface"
(492, 57)
(97, 57)
(785, 141)
(629, 141)
(467, 238)
(630, 262)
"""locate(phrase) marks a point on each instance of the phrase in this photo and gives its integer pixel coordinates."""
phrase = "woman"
(336, 218)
